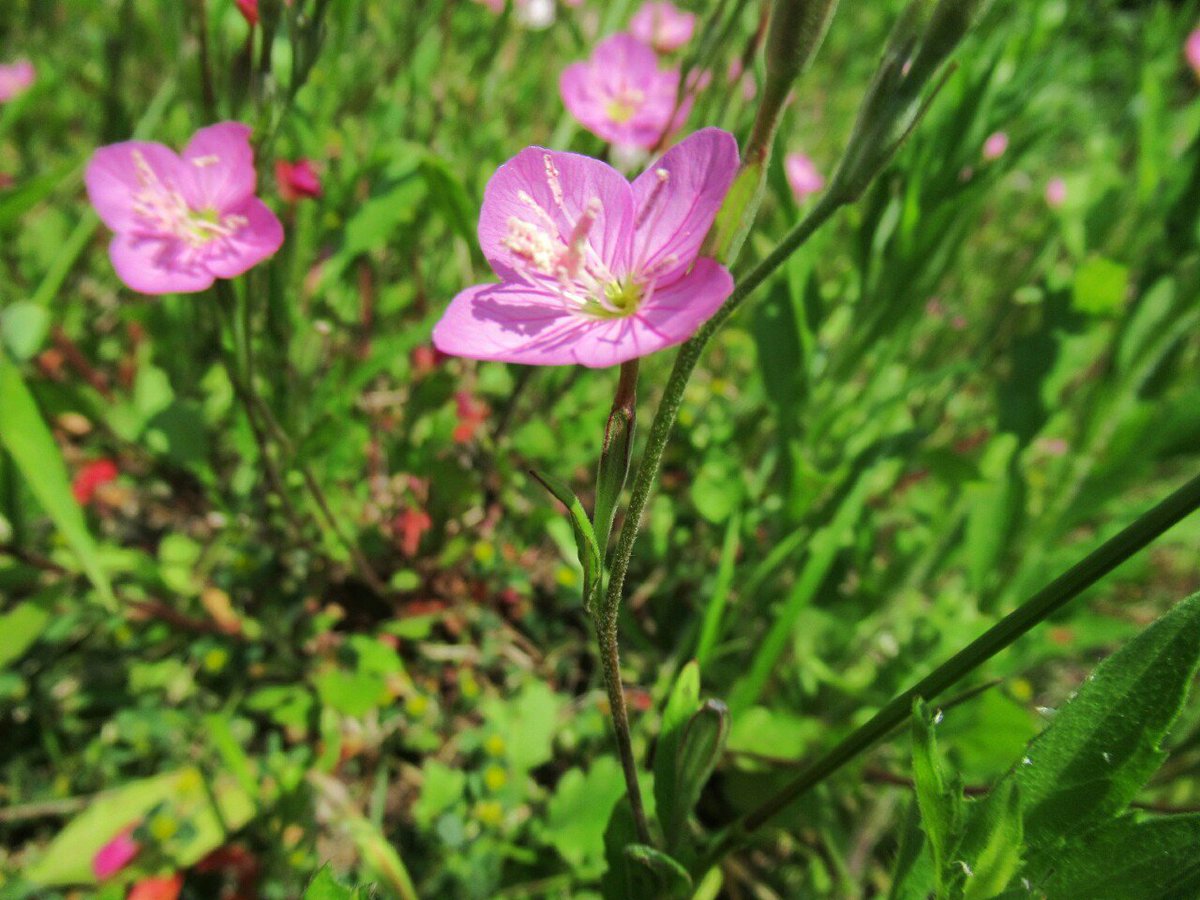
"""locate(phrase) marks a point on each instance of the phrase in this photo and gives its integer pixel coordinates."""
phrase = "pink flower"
(995, 145)
(249, 9)
(15, 79)
(620, 94)
(802, 175)
(183, 221)
(116, 854)
(1056, 192)
(662, 25)
(594, 270)
(297, 180)
(1191, 50)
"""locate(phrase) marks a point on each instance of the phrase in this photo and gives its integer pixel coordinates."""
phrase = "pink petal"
(676, 311)
(510, 323)
(258, 239)
(115, 855)
(674, 216)
(551, 191)
(113, 179)
(152, 265)
(222, 172)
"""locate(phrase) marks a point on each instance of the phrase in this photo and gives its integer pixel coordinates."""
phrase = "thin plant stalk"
(619, 430)
(1057, 594)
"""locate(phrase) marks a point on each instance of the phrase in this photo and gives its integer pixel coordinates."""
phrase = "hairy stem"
(668, 408)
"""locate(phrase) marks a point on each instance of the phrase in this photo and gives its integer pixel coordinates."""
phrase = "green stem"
(610, 481)
(668, 408)
(1036, 609)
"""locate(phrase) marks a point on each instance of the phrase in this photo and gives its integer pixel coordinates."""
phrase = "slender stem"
(1184, 501)
(614, 466)
(610, 662)
(668, 408)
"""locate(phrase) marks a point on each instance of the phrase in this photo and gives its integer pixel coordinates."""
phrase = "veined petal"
(677, 310)
(220, 163)
(157, 266)
(260, 237)
(117, 174)
(677, 199)
(510, 323)
(547, 194)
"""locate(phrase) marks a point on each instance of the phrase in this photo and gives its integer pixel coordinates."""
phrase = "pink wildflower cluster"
(594, 269)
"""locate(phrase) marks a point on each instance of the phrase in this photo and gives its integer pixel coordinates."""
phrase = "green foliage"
(1059, 819)
(948, 395)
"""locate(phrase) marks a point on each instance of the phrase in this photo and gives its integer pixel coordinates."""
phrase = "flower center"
(621, 299)
(622, 106)
(164, 212)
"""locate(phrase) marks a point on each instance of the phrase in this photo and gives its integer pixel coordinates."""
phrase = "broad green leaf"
(441, 787)
(939, 800)
(23, 433)
(685, 697)
(527, 723)
(19, 628)
(1149, 859)
(578, 813)
(701, 744)
(68, 859)
(1105, 743)
(991, 847)
(590, 556)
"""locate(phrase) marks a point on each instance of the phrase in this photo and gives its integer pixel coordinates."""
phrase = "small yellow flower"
(495, 746)
(495, 777)
(489, 812)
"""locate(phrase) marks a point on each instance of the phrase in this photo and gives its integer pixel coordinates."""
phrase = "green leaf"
(1105, 743)
(685, 697)
(1100, 286)
(184, 795)
(578, 813)
(441, 788)
(1131, 857)
(585, 537)
(24, 434)
(19, 628)
(325, 887)
(991, 847)
(624, 878)
(912, 876)
(527, 723)
(23, 327)
(940, 802)
(700, 747)
(671, 877)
